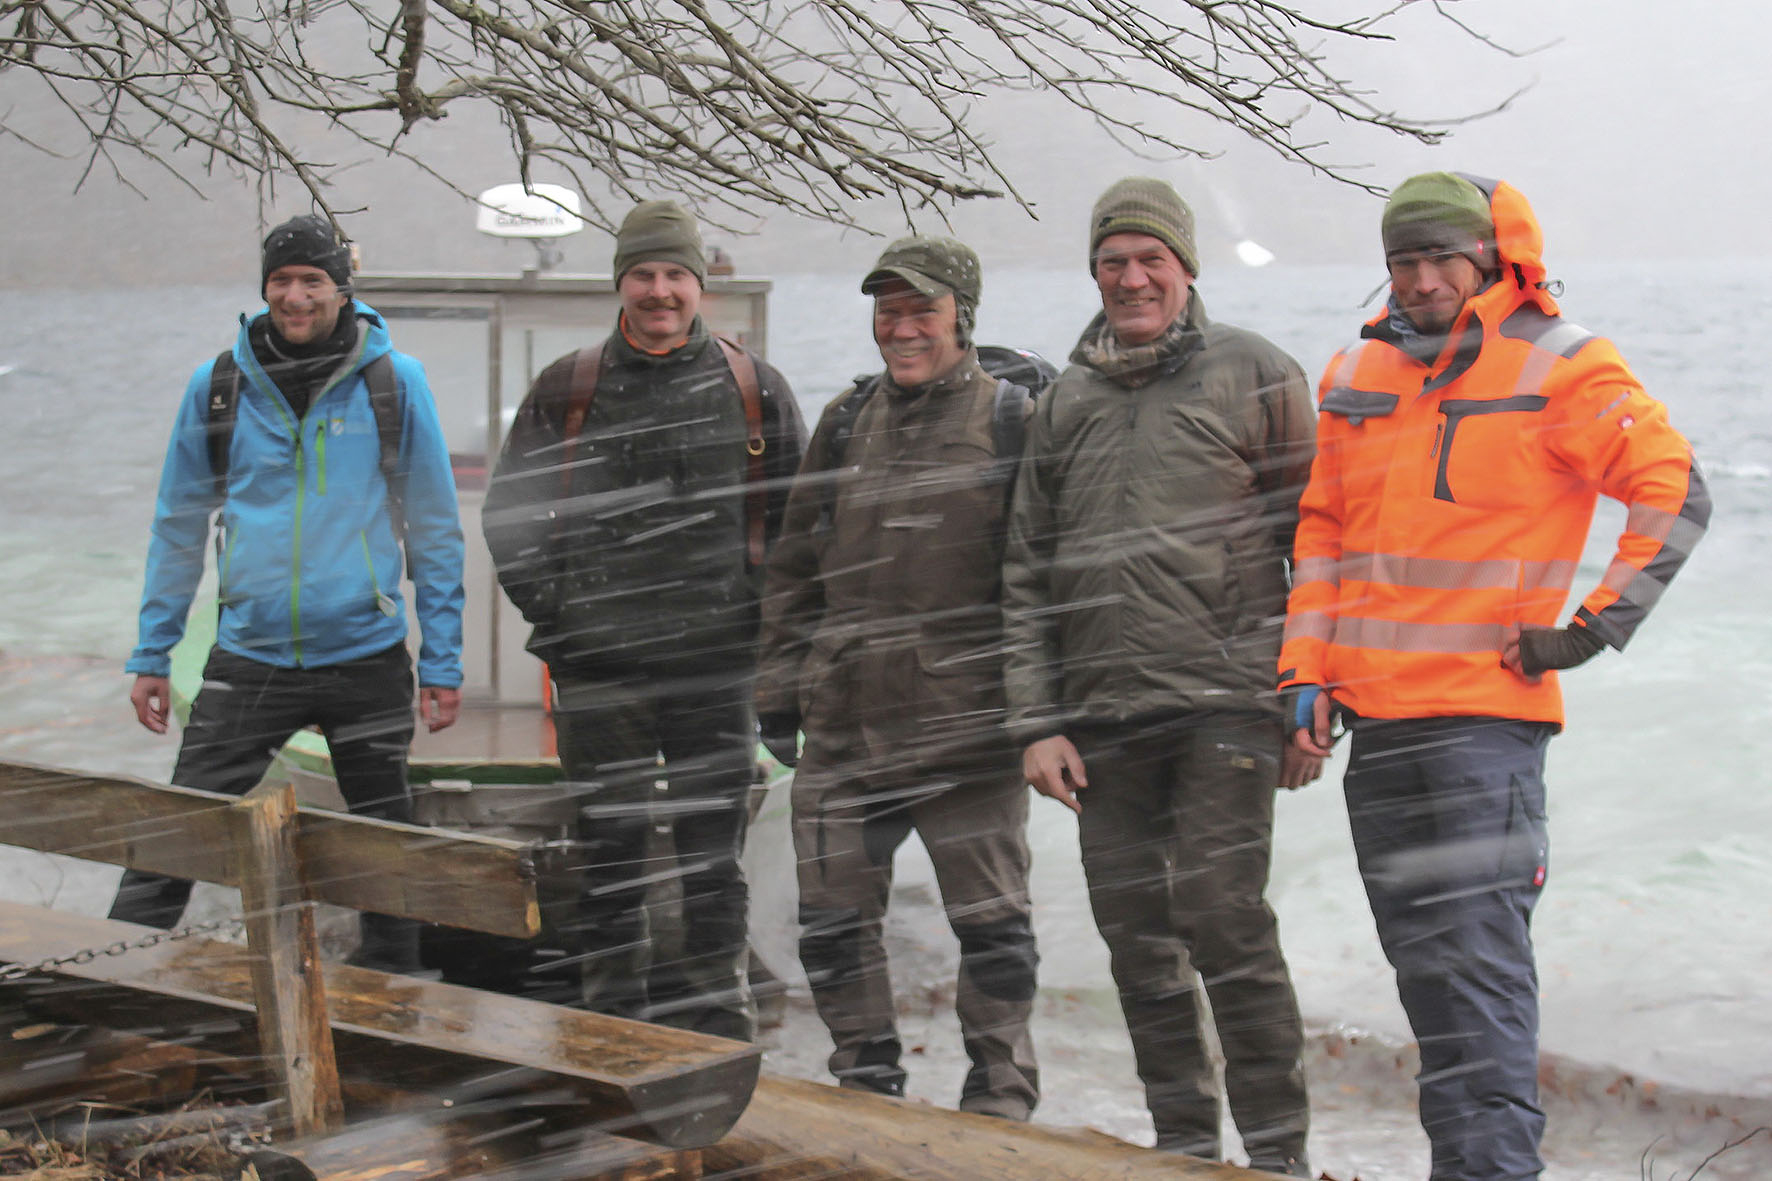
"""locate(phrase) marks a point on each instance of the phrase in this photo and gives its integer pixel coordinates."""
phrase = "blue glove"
(1304, 704)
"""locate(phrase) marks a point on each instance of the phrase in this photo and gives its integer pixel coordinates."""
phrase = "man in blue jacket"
(312, 524)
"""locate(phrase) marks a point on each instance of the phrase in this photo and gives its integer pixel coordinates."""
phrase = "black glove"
(781, 735)
(1545, 648)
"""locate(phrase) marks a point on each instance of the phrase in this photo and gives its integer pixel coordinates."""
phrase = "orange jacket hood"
(1519, 250)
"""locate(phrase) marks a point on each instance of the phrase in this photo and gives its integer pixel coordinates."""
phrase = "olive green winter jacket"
(1146, 570)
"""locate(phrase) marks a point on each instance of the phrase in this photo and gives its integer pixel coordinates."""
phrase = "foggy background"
(1636, 137)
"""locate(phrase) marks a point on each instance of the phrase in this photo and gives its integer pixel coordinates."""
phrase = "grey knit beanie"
(659, 231)
(1145, 205)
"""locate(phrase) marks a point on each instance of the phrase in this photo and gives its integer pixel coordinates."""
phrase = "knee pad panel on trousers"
(1000, 958)
(830, 945)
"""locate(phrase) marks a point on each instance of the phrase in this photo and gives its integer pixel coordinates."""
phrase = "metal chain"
(13, 972)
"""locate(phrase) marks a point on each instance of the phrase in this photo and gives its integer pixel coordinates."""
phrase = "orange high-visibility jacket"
(1450, 500)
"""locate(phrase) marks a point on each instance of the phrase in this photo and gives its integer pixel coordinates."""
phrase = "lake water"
(1654, 937)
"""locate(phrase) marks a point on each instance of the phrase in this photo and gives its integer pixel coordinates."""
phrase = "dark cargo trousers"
(611, 735)
(1448, 819)
(846, 830)
(1176, 830)
(245, 712)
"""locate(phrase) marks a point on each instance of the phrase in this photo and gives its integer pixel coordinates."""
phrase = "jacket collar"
(623, 350)
(956, 378)
(1140, 365)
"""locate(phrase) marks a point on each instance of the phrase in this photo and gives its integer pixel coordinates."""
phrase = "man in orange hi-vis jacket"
(1461, 445)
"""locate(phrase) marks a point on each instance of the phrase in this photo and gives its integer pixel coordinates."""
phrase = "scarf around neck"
(1140, 364)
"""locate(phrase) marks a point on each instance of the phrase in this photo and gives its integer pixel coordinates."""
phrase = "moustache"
(659, 304)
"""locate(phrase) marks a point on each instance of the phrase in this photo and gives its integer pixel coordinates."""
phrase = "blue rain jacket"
(308, 564)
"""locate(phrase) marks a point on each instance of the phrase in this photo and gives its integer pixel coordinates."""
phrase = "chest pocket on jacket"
(1490, 443)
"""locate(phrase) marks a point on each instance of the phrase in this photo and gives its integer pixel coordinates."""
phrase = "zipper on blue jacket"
(224, 562)
(384, 602)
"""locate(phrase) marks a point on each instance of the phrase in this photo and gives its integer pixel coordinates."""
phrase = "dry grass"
(190, 1148)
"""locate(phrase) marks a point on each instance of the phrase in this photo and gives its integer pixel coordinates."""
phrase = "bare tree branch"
(806, 105)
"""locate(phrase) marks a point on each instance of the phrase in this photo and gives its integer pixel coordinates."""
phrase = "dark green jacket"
(1146, 572)
(636, 560)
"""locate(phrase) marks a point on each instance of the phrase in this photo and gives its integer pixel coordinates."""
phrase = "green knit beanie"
(1438, 211)
(1145, 205)
(659, 231)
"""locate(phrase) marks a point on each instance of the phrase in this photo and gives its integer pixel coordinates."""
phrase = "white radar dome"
(540, 211)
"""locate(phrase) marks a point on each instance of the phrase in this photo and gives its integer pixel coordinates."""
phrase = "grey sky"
(1639, 135)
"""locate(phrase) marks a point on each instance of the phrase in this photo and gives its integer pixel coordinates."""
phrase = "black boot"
(388, 944)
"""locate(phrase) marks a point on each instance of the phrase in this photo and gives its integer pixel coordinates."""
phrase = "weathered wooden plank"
(664, 1085)
(439, 1145)
(481, 883)
(117, 819)
(796, 1130)
(288, 989)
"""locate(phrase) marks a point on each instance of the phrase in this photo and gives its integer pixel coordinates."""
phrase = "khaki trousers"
(846, 830)
(1176, 830)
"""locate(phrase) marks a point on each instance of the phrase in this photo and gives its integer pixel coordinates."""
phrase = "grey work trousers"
(1176, 830)
(846, 830)
(1448, 820)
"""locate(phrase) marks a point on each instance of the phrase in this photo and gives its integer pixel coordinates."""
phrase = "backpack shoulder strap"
(843, 417)
(744, 373)
(587, 371)
(847, 413)
(1009, 425)
(390, 427)
(224, 403)
(1009, 431)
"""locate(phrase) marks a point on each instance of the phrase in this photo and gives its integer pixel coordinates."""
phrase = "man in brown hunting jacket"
(882, 639)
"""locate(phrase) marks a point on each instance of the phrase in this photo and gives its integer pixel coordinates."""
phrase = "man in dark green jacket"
(1144, 585)
(882, 638)
(627, 517)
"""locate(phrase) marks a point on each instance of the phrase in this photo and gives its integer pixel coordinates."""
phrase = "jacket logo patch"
(338, 426)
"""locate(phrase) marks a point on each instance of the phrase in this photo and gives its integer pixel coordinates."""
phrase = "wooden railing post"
(289, 989)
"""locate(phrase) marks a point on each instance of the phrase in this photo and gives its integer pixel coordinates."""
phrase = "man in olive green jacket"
(882, 638)
(1144, 586)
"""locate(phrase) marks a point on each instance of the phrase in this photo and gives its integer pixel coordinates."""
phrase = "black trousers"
(244, 714)
(612, 734)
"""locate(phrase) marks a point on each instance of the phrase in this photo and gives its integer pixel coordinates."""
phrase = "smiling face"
(305, 303)
(1144, 287)
(918, 335)
(659, 302)
(1432, 286)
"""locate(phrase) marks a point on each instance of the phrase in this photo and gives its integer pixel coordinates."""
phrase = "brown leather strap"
(744, 372)
(587, 371)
